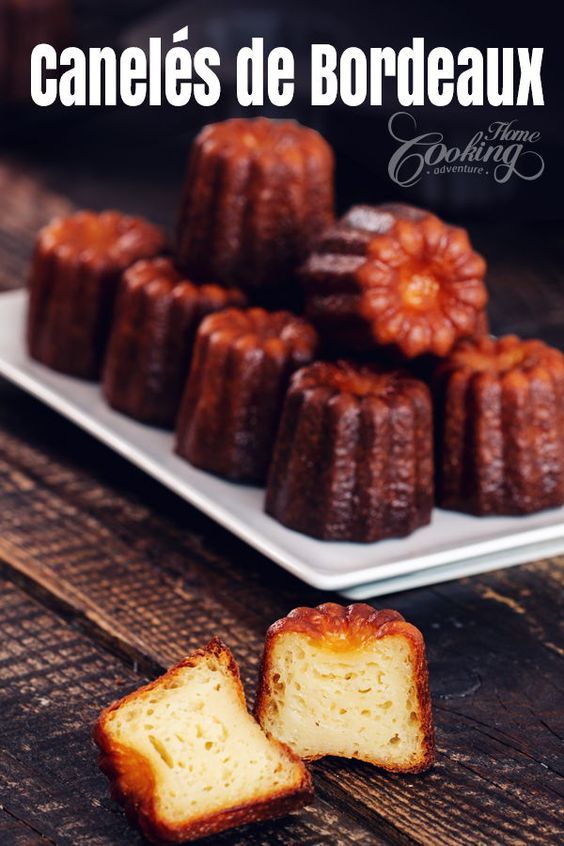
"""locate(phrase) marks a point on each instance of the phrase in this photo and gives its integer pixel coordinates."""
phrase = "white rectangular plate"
(452, 546)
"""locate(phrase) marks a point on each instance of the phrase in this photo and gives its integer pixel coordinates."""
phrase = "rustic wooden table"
(106, 578)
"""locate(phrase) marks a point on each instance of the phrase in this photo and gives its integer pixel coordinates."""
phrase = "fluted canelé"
(157, 315)
(397, 277)
(257, 194)
(500, 427)
(74, 277)
(242, 363)
(354, 454)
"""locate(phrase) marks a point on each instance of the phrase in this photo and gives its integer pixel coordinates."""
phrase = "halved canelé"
(348, 681)
(187, 760)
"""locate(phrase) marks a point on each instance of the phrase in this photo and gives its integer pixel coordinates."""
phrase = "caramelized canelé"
(157, 315)
(257, 194)
(394, 276)
(500, 427)
(353, 456)
(74, 277)
(348, 681)
(242, 362)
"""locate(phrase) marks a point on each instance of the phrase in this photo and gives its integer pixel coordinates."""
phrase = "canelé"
(242, 362)
(257, 194)
(353, 459)
(156, 317)
(23, 25)
(348, 681)
(500, 427)
(74, 277)
(395, 277)
(187, 760)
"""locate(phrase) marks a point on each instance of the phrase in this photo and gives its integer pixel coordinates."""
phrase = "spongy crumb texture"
(365, 700)
(205, 753)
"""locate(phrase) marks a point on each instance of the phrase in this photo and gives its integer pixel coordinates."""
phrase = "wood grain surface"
(106, 578)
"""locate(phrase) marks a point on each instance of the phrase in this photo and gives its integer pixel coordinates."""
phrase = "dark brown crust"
(368, 434)
(394, 277)
(500, 439)
(132, 783)
(157, 315)
(234, 231)
(74, 278)
(339, 627)
(352, 234)
(242, 363)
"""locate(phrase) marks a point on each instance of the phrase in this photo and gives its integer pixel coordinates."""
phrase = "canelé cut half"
(354, 454)
(75, 272)
(351, 682)
(397, 277)
(157, 315)
(257, 194)
(242, 363)
(187, 760)
(500, 427)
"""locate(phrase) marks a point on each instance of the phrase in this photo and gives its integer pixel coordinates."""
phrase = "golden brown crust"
(502, 355)
(340, 628)
(133, 785)
(358, 380)
(337, 626)
(107, 240)
(274, 332)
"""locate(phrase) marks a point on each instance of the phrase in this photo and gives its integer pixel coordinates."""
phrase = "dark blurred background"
(143, 149)
(134, 158)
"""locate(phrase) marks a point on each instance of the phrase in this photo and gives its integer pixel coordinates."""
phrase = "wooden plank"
(155, 586)
(53, 682)
(14, 832)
